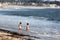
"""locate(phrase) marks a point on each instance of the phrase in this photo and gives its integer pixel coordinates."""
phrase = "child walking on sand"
(20, 26)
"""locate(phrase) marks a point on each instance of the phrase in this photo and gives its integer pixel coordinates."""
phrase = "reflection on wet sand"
(20, 31)
(28, 31)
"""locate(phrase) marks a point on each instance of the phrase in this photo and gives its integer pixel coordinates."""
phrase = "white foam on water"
(16, 9)
(40, 27)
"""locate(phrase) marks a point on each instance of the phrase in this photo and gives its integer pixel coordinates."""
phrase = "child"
(20, 26)
(27, 27)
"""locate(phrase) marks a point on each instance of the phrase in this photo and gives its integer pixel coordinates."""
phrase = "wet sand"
(9, 35)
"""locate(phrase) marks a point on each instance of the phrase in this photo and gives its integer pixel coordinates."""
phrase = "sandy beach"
(19, 6)
(7, 35)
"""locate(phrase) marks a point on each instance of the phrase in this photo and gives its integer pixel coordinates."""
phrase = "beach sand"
(19, 6)
(7, 35)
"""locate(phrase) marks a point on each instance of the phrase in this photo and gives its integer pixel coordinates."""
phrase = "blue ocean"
(44, 23)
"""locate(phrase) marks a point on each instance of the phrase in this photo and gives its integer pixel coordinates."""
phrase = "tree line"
(32, 1)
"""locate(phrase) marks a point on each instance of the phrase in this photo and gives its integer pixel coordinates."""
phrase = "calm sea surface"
(45, 23)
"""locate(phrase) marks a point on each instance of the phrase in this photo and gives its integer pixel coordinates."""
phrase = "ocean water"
(44, 23)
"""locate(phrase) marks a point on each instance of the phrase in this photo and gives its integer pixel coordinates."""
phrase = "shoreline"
(10, 35)
(32, 7)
